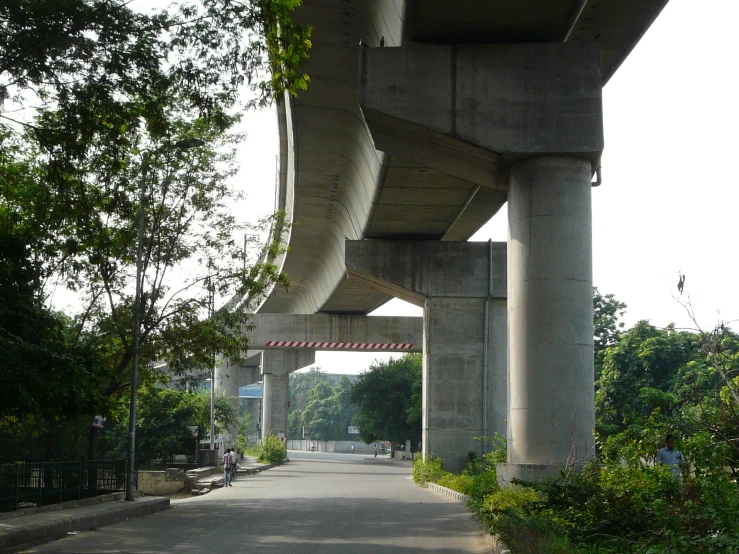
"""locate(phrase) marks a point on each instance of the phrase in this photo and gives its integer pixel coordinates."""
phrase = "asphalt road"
(317, 503)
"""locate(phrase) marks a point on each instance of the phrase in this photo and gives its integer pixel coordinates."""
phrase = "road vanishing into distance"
(317, 503)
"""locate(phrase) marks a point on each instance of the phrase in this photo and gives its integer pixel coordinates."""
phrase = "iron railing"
(31, 484)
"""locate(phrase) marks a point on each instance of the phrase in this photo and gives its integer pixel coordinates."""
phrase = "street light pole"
(211, 302)
(184, 144)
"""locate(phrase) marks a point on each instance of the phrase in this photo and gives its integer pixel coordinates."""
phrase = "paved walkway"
(35, 526)
(332, 504)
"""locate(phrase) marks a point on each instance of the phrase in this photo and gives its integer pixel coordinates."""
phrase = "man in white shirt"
(670, 457)
(234, 461)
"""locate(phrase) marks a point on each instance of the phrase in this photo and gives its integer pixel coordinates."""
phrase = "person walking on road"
(234, 463)
(227, 469)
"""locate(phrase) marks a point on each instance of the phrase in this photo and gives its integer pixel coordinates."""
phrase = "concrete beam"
(335, 332)
(473, 110)
(416, 270)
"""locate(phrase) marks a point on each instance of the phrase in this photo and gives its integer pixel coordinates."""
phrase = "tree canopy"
(387, 399)
(321, 404)
(96, 102)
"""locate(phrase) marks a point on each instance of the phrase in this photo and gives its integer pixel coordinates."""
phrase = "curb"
(58, 523)
(69, 505)
(449, 493)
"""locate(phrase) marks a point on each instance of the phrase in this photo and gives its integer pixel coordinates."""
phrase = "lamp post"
(184, 144)
(211, 306)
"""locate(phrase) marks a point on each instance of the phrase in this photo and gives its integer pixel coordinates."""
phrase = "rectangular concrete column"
(460, 400)
(550, 307)
(276, 368)
(454, 281)
(274, 403)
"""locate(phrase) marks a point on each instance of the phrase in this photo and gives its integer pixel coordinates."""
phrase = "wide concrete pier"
(462, 289)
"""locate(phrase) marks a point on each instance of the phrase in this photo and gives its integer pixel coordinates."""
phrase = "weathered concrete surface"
(416, 270)
(343, 329)
(335, 504)
(344, 187)
(159, 483)
(463, 399)
(464, 356)
(276, 368)
(472, 110)
(50, 525)
(550, 310)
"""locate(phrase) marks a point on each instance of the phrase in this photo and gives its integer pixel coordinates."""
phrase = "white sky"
(670, 191)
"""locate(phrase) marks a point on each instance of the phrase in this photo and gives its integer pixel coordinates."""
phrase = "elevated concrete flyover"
(355, 163)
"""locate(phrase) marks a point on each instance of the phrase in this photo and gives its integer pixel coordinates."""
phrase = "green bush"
(511, 499)
(272, 450)
(482, 485)
(531, 534)
(429, 470)
(459, 483)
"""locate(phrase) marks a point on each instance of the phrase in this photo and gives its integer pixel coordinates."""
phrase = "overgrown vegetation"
(651, 382)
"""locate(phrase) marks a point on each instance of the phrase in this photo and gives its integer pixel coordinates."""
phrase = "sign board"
(98, 421)
(280, 435)
(353, 430)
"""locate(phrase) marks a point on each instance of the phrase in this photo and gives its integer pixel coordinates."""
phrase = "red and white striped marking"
(339, 345)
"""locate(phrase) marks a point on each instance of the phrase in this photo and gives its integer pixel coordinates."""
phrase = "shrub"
(427, 470)
(511, 499)
(531, 534)
(459, 483)
(482, 485)
(272, 450)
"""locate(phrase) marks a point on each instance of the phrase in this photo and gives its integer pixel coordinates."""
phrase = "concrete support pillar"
(252, 408)
(532, 112)
(459, 285)
(228, 378)
(464, 395)
(276, 368)
(550, 310)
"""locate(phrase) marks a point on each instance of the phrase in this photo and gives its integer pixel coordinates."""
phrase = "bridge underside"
(423, 144)
(345, 188)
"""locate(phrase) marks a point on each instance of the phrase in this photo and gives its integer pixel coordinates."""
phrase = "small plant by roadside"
(428, 470)
(272, 450)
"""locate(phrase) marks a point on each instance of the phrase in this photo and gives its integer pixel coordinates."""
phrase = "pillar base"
(532, 473)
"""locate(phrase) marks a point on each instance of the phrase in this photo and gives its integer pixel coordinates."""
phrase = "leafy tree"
(300, 387)
(607, 328)
(322, 404)
(108, 94)
(320, 414)
(639, 367)
(385, 398)
(162, 422)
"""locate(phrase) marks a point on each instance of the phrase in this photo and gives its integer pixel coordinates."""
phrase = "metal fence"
(31, 484)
